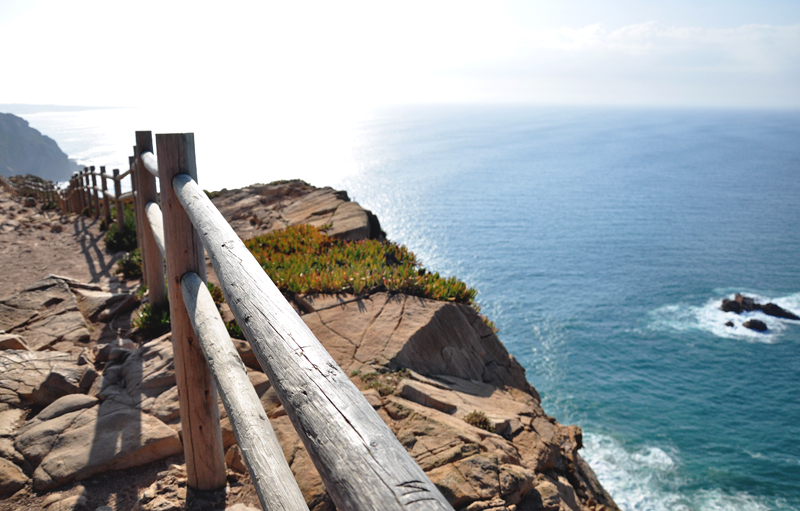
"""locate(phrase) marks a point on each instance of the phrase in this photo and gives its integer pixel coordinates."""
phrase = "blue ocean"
(601, 241)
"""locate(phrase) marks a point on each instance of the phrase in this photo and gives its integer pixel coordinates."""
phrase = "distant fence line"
(363, 465)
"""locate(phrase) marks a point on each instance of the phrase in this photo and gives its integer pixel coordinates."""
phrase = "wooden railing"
(83, 195)
(363, 465)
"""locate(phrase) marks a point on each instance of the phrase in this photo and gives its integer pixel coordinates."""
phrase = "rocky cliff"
(80, 396)
(23, 150)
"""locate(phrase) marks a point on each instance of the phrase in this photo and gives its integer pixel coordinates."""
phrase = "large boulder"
(430, 337)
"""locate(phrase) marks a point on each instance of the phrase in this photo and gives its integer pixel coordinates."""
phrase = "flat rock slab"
(41, 377)
(261, 209)
(88, 441)
(55, 310)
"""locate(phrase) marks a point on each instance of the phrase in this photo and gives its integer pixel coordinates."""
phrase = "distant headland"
(24, 150)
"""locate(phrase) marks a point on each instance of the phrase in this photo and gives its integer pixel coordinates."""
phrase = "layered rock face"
(260, 209)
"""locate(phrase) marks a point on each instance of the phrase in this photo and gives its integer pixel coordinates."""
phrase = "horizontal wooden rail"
(156, 219)
(150, 163)
(363, 465)
(123, 175)
(271, 475)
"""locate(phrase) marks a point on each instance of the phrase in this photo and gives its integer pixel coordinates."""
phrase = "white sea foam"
(649, 479)
(710, 318)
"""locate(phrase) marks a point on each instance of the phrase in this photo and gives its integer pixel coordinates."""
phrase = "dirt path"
(34, 244)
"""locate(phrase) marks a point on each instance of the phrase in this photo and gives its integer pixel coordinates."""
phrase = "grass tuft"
(479, 420)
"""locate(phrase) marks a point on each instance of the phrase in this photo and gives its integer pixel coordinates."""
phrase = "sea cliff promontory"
(24, 150)
(84, 394)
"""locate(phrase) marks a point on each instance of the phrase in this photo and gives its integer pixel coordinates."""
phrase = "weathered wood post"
(146, 187)
(79, 192)
(86, 192)
(117, 201)
(106, 209)
(96, 195)
(202, 438)
(138, 213)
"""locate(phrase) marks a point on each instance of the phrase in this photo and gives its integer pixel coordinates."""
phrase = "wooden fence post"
(138, 214)
(106, 210)
(146, 187)
(86, 193)
(96, 195)
(118, 202)
(202, 438)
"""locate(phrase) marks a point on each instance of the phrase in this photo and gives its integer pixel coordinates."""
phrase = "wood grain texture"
(202, 437)
(271, 475)
(156, 221)
(138, 209)
(363, 465)
(146, 187)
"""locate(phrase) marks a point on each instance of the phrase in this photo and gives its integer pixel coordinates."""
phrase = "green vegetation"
(151, 321)
(479, 420)
(124, 239)
(130, 266)
(301, 259)
(384, 382)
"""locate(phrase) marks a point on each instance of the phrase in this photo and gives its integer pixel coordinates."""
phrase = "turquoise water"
(601, 242)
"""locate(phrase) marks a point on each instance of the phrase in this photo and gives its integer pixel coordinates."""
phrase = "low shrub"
(479, 420)
(130, 266)
(151, 321)
(122, 239)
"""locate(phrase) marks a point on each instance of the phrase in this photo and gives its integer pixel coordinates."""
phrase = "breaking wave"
(649, 479)
(710, 318)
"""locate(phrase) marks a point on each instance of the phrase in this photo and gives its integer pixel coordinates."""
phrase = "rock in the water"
(742, 303)
(771, 309)
(754, 324)
(12, 478)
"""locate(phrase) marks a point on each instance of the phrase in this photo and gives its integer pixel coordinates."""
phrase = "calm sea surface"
(601, 242)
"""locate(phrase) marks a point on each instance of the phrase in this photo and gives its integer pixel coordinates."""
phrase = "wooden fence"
(363, 465)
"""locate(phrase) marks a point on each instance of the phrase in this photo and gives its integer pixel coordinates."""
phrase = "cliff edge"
(84, 395)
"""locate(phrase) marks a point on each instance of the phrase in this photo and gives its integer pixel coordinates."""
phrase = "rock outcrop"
(741, 303)
(24, 150)
(260, 209)
(75, 404)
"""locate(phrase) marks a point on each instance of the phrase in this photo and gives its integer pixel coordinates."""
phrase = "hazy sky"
(301, 54)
